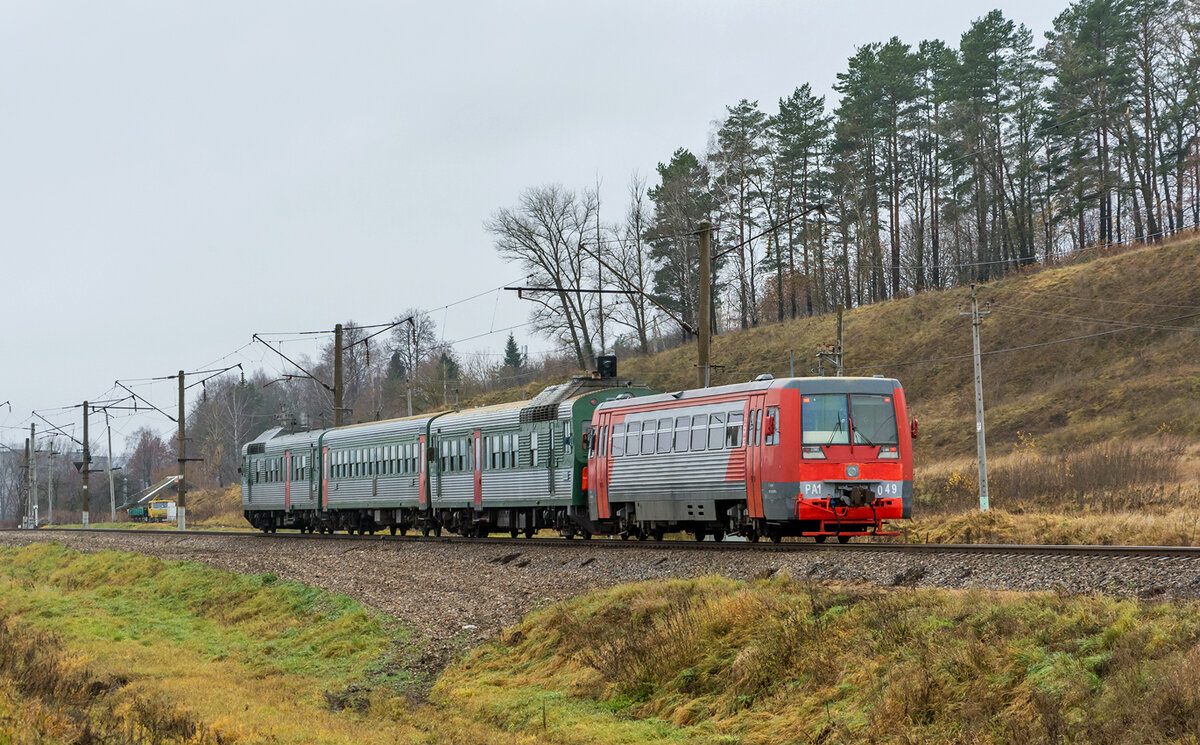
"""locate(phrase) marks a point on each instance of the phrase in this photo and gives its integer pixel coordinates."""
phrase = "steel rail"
(1153, 552)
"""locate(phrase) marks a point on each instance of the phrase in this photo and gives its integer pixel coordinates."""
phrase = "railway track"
(1146, 552)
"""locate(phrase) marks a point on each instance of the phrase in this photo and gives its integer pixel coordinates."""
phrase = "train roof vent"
(623, 397)
(539, 413)
(765, 376)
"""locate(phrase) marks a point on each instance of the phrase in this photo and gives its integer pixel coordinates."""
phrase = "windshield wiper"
(836, 429)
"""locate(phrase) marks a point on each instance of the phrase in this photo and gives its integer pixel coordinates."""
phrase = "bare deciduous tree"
(543, 234)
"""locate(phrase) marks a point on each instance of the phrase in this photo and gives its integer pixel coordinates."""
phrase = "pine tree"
(512, 355)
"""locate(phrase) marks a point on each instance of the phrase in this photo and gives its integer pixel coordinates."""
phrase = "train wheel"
(699, 534)
(425, 531)
(659, 533)
(587, 536)
(819, 538)
(514, 533)
(392, 529)
(437, 531)
(776, 538)
(844, 538)
(530, 532)
(718, 535)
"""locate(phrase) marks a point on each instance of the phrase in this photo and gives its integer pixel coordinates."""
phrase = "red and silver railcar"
(813, 457)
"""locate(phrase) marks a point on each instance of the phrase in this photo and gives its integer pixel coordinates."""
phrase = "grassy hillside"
(118, 647)
(713, 661)
(1129, 384)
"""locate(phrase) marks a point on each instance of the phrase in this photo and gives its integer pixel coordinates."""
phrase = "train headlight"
(813, 451)
(889, 452)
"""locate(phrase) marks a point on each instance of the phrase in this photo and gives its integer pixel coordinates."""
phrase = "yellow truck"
(161, 511)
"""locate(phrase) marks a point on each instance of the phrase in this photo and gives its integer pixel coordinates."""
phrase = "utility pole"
(112, 492)
(980, 429)
(86, 470)
(33, 494)
(838, 351)
(445, 374)
(337, 375)
(50, 484)
(28, 464)
(703, 307)
(181, 506)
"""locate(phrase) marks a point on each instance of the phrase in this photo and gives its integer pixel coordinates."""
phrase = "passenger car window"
(699, 431)
(648, 437)
(633, 438)
(618, 440)
(665, 435)
(683, 433)
(733, 430)
(716, 431)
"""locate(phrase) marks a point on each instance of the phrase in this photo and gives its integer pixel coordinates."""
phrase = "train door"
(310, 463)
(476, 440)
(552, 455)
(754, 465)
(287, 479)
(324, 477)
(603, 447)
(422, 472)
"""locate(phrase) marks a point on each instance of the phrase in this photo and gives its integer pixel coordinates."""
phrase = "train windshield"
(827, 417)
(874, 419)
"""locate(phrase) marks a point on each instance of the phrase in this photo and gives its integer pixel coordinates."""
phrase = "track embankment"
(456, 590)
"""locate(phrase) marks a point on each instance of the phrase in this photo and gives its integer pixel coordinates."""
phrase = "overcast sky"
(175, 176)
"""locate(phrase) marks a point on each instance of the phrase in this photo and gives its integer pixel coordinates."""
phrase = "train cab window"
(665, 435)
(618, 440)
(824, 419)
(633, 438)
(648, 436)
(733, 430)
(771, 426)
(683, 433)
(874, 419)
(699, 431)
(603, 438)
(716, 431)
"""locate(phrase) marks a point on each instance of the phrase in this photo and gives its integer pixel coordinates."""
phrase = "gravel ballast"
(466, 592)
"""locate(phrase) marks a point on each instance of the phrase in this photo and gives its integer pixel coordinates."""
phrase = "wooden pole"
(703, 307)
(337, 375)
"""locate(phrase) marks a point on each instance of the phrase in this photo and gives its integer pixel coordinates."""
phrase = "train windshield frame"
(833, 418)
(873, 419)
(825, 419)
